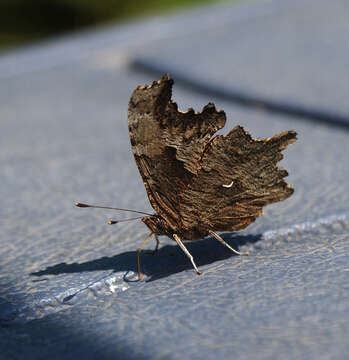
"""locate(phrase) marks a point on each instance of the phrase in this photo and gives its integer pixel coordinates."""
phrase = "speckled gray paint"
(297, 56)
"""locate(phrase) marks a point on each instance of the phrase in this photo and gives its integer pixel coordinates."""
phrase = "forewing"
(238, 177)
(168, 145)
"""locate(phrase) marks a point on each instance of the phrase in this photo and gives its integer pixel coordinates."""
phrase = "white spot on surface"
(114, 284)
(109, 60)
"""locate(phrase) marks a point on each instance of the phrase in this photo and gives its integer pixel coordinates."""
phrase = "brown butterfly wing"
(238, 177)
(184, 167)
(168, 145)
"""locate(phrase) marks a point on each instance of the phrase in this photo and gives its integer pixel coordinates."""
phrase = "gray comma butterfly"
(198, 183)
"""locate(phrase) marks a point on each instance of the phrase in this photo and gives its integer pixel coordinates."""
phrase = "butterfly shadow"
(168, 260)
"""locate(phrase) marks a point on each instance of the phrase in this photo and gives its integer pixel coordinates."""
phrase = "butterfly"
(197, 182)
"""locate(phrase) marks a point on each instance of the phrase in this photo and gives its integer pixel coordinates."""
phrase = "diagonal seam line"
(328, 222)
(57, 302)
(240, 97)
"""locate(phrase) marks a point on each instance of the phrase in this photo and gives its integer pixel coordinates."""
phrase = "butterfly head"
(157, 225)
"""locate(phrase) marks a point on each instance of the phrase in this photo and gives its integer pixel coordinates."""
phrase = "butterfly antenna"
(112, 222)
(82, 205)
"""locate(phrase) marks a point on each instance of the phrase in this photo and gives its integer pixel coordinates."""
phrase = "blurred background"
(23, 21)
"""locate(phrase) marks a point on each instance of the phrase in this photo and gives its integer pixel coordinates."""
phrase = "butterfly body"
(160, 226)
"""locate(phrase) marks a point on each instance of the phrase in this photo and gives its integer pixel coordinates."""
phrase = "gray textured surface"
(64, 272)
(284, 301)
(280, 57)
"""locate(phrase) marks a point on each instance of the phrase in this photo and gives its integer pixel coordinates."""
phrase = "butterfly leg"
(139, 254)
(219, 238)
(181, 245)
(157, 243)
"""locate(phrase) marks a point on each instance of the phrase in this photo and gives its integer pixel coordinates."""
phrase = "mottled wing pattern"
(238, 177)
(195, 181)
(168, 145)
